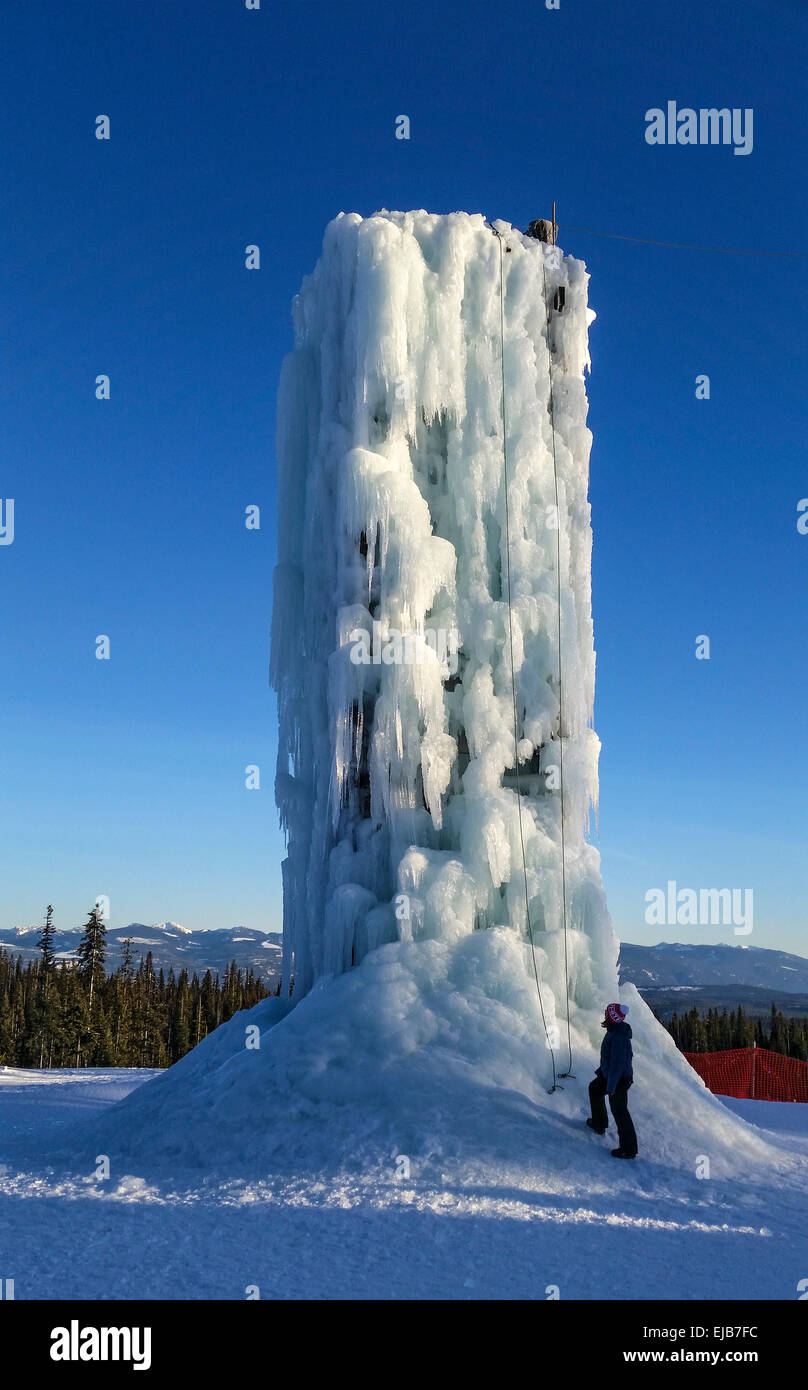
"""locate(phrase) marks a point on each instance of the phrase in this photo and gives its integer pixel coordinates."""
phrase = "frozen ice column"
(397, 764)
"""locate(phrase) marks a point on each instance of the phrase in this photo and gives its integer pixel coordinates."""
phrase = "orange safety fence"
(752, 1072)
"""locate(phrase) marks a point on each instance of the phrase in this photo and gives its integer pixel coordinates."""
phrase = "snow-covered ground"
(779, 1116)
(441, 1170)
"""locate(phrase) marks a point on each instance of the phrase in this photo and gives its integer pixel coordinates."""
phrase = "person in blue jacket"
(613, 1078)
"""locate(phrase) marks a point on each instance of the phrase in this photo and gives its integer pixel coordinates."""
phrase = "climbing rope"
(688, 246)
(568, 1072)
(513, 672)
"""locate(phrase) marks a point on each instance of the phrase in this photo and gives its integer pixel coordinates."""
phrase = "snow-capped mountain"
(171, 945)
(673, 964)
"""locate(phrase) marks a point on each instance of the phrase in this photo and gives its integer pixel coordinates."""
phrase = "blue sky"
(126, 257)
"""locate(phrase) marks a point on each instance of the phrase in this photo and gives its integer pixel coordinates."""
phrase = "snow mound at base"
(430, 1050)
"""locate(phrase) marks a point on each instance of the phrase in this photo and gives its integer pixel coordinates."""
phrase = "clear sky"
(126, 257)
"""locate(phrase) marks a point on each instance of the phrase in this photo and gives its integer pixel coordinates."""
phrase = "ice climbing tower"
(432, 645)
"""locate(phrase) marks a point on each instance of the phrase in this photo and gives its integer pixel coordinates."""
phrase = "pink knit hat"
(616, 1012)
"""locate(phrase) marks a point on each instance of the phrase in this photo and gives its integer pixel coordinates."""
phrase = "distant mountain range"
(670, 976)
(673, 977)
(170, 944)
(671, 963)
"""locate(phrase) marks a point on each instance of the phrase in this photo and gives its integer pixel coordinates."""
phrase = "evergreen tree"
(127, 958)
(73, 1018)
(45, 943)
(91, 954)
(46, 996)
(120, 992)
(181, 1033)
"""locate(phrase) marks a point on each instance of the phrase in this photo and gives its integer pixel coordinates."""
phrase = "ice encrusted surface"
(430, 1050)
(398, 777)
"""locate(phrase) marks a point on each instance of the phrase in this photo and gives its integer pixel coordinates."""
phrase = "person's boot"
(596, 1128)
(620, 1153)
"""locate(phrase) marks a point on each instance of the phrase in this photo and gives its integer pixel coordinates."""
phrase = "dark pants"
(619, 1105)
